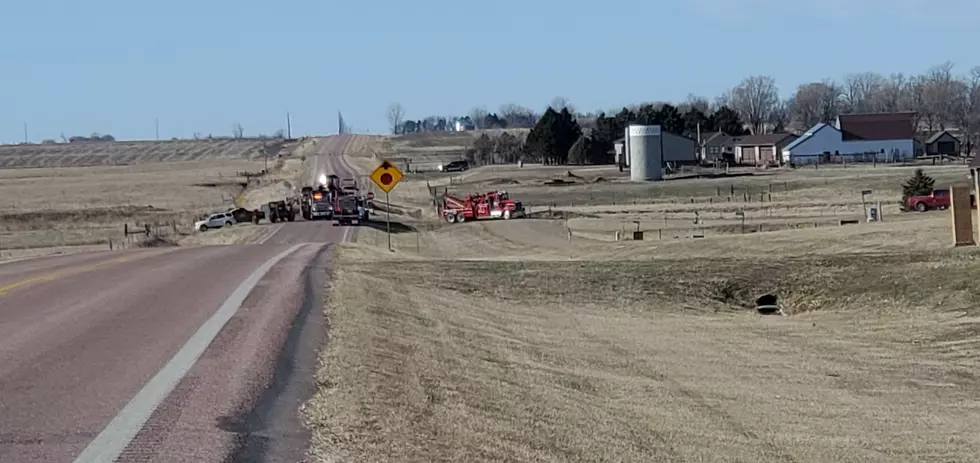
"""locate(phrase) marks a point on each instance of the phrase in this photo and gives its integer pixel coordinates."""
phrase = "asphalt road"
(179, 354)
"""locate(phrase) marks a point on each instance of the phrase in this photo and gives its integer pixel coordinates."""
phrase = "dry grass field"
(513, 341)
(135, 152)
(49, 210)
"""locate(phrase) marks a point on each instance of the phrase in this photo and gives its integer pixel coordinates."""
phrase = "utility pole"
(158, 128)
(700, 154)
(25, 132)
(265, 154)
(289, 127)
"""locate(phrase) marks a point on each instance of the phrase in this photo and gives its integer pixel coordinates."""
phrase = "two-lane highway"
(162, 354)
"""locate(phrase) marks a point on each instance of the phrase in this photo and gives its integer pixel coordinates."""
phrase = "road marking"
(117, 435)
(70, 270)
(269, 235)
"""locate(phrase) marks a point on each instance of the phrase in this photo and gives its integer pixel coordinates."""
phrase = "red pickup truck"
(938, 199)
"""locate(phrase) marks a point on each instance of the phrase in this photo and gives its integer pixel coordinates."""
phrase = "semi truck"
(349, 205)
(317, 201)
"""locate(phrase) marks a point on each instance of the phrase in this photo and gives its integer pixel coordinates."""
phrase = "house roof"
(877, 126)
(935, 137)
(809, 133)
(762, 139)
(719, 139)
(707, 136)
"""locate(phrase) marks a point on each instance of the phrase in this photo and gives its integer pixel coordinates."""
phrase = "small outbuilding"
(942, 142)
(761, 149)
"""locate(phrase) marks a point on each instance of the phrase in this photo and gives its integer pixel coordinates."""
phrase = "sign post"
(870, 212)
(386, 176)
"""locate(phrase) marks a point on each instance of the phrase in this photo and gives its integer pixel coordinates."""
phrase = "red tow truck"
(492, 205)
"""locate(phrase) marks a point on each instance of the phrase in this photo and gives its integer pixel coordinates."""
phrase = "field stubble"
(73, 209)
(513, 341)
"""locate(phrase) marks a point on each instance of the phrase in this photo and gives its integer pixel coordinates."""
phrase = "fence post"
(146, 227)
(125, 229)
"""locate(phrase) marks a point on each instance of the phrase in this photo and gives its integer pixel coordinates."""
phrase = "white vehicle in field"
(221, 219)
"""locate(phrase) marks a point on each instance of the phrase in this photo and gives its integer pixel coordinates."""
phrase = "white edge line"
(117, 435)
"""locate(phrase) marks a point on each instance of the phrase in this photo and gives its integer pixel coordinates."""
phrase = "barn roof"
(809, 133)
(762, 139)
(877, 126)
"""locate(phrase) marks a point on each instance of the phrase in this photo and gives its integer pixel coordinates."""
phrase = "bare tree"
(695, 102)
(238, 131)
(517, 115)
(478, 116)
(815, 102)
(755, 98)
(966, 108)
(395, 116)
(559, 103)
(860, 92)
(894, 94)
(914, 100)
(938, 93)
(725, 99)
(780, 117)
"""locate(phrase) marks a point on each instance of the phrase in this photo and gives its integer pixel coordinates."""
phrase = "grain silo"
(645, 149)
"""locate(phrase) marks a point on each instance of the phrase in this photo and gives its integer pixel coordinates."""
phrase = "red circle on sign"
(386, 178)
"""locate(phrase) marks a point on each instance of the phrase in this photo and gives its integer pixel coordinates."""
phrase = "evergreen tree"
(568, 133)
(918, 184)
(580, 151)
(726, 120)
(671, 119)
(553, 136)
(541, 140)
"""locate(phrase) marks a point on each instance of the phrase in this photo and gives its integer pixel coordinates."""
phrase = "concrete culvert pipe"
(768, 304)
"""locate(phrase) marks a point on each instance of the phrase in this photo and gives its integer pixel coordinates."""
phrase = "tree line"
(509, 116)
(941, 97)
(558, 138)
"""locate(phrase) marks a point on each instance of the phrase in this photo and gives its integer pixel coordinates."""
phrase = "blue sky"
(114, 66)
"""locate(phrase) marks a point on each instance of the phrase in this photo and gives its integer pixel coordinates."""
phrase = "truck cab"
(349, 208)
(320, 204)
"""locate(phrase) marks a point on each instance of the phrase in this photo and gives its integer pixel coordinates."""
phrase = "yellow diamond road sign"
(386, 176)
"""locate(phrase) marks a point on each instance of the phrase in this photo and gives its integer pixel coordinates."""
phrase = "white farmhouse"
(885, 137)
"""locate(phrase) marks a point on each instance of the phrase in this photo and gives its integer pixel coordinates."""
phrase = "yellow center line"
(70, 270)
